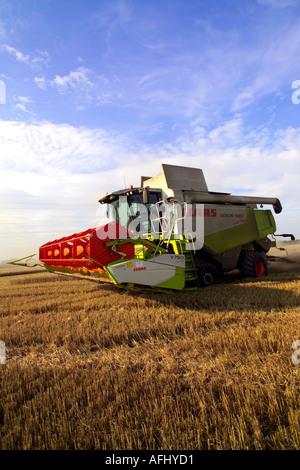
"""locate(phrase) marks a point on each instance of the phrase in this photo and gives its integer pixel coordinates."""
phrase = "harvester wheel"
(207, 275)
(253, 264)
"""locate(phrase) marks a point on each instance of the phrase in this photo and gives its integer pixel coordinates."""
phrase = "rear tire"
(253, 264)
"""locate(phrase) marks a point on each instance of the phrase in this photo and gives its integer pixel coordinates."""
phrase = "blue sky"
(101, 92)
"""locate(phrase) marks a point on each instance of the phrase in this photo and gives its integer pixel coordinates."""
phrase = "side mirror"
(146, 196)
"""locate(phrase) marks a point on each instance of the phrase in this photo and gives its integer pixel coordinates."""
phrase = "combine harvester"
(170, 233)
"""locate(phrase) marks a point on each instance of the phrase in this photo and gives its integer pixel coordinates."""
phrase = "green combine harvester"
(170, 233)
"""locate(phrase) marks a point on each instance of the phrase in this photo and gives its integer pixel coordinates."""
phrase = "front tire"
(208, 275)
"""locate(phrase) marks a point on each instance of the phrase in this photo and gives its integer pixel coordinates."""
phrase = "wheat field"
(98, 367)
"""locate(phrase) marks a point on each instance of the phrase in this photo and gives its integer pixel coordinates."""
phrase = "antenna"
(124, 182)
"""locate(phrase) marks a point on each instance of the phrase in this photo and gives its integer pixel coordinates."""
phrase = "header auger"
(171, 232)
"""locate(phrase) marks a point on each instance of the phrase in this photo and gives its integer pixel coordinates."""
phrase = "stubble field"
(96, 367)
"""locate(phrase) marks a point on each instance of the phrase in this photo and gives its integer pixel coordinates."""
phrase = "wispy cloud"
(40, 82)
(41, 58)
(18, 55)
(79, 78)
(23, 103)
(88, 87)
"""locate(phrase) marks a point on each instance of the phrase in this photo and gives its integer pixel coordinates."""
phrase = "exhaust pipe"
(286, 235)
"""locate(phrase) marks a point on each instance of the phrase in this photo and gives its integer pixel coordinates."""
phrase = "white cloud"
(42, 147)
(81, 78)
(18, 55)
(41, 82)
(228, 133)
(41, 58)
(242, 100)
(23, 103)
(87, 87)
(75, 79)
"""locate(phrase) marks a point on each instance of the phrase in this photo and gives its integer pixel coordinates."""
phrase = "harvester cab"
(169, 233)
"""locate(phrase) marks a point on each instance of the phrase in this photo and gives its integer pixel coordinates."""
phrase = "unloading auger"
(152, 242)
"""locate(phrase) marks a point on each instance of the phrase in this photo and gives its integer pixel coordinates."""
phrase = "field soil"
(288, 254)
(93, 366)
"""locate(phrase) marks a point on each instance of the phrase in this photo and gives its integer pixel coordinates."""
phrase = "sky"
(95, 94)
